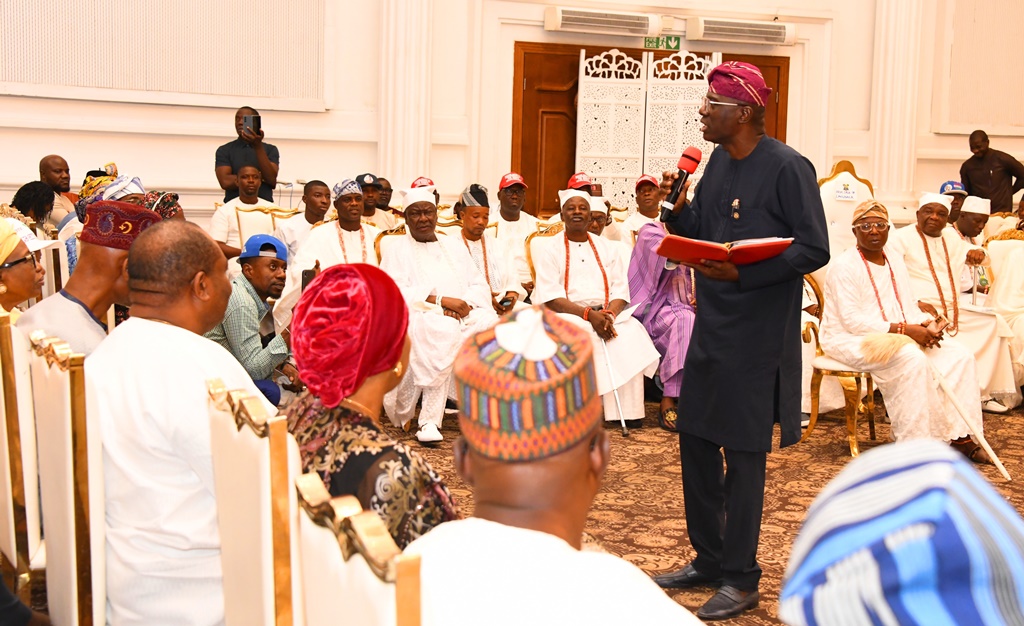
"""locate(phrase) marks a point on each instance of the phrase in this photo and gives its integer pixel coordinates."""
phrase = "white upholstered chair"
(21, 544)
(841, 191)
(71, 482)
(255, 462)
(354, 572)
(260, 220)
(999, 222)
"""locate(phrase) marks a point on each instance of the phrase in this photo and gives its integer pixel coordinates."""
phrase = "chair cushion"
(828, 363)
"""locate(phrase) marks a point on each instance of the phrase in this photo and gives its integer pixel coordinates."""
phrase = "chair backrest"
(617, 214)
(381, 242)
(449, 227)
(71, 481)
(999, 222)
(255, 462)
(354, 571)
(20, 537)
(56, 272)
(841, 192)
(260, 220)
(548, 231)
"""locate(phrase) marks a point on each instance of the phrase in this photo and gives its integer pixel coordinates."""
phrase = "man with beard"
(224, 223)
(247, 149)
(384, 202)
(316, 197)
(491, 256)
(54, 171)
(345, 240)
(264, 262)
(371, 191)
(991, 174)
(513, 225)
(648, 195)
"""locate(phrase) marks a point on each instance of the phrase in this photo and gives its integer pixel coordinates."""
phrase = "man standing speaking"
(742, 371)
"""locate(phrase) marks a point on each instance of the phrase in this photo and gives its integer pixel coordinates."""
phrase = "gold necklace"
(360, 408)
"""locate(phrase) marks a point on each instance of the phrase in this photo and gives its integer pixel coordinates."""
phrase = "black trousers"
(723, 509)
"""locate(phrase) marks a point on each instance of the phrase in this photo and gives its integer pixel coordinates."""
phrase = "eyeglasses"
(28, 257)
(867, 227)
(716, 103)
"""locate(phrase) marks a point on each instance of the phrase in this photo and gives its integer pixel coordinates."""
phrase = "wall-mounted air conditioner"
(740, 31)
(601, 22)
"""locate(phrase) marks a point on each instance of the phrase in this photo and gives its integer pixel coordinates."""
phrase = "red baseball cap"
(422, 181)
(511, 179)
(646, 178)
(580, 179)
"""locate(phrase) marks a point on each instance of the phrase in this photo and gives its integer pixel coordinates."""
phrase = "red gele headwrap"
(349, 324)
(741, 81)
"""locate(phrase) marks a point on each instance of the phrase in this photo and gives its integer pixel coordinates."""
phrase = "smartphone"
(505, 303)
(251, 123)
(307, 277)
(938, 324)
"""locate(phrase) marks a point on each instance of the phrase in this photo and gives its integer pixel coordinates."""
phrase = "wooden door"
(776, 75)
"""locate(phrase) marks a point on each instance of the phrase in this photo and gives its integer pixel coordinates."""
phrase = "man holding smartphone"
(247, 149)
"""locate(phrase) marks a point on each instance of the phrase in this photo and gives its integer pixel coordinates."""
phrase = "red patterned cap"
(510, 179)
(114, 224)
(579, 179)
(646, 178)
(526, 387)
(422, 181)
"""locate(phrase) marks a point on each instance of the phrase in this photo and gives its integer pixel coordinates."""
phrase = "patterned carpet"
(638, 514)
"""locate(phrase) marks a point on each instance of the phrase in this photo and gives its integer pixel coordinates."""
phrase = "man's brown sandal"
(971, 450)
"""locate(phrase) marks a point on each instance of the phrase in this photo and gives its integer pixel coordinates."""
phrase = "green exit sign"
(661, 43)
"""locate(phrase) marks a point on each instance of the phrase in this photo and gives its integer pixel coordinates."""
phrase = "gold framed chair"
(449, 227)
(847, 167)
(619, 214)
(260, 220)
(858, 386)
(71, 484)
(351, 565)
(255, 461)
(548, 231)
(397, 230)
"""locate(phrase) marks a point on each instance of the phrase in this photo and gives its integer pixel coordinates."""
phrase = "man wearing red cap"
(648, 195)
(514, 226)
(743, 364)
(580, 182)
(78, 312)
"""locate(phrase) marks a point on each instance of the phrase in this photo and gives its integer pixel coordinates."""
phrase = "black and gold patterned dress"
(354, 457)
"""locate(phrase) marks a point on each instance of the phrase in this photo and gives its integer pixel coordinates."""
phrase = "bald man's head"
(167, 256)
(53, 170)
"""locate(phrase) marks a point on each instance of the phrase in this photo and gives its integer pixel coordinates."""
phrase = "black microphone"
(687, 165)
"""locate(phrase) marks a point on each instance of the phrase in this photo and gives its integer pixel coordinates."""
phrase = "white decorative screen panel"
(177, 51)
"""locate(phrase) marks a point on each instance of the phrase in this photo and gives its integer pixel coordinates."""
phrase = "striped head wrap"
(740, 81)
(123, 186)
(526, 387)
(870, 208)
(908, 533)
(345, 188)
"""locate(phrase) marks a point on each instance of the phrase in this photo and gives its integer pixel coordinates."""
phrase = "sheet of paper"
(626, 314)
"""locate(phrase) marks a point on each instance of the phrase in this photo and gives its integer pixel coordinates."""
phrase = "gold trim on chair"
(1009, 234)
(615, 209)
(397, 230)
(548, 231)
(275, 213)
(846, 166)
(20, 578)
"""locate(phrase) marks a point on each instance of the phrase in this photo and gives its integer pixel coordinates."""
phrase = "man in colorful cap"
(78, 312)
(936, 258)
(347, 239)
(448, 301)
(316, 198)
(648, 197)
(491, 256)
(871, 323)
(907, 534)
(247, 330)
(747, 329)
(534, 453)
(54, 171)
(247, 149)
(956, 192)
(991, 174)
(372, 214)
(513, 224)
(224, 223)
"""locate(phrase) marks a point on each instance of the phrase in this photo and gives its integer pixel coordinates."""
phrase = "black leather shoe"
(728, 602)
(686, 578)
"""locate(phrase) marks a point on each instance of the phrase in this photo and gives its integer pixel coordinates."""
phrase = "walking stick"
(963, 415)
(615, 389)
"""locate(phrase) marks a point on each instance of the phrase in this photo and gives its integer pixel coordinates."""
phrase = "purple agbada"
(665, 302)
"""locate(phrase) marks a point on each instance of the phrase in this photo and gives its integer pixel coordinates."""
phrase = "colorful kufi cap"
(123, 186)
(345, 188)
(368, 180)
(422, 181)
(739, 81)
(475, 195)
(349, 324)
(646, 178)
(34, 244)
(419, 194)
(526, 387)
(565, 194)
(974, 204)
(114, 224)
(165, 203)
(871, 208)
(579, 179)
(953, 187)
(934, 198)
(510, 179)
(908, 533)
(253, 245)
(597, 204)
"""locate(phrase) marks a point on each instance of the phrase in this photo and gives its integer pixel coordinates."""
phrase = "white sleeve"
(550, 270)
(853, 307)
(220, 223)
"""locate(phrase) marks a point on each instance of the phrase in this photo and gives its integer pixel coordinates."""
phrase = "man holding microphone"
(742, 369)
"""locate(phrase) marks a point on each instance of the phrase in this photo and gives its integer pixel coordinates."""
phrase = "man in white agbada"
(582, 277)
(316, 197)
(871, 322)
(492, 257)
(970, 225)
(513, 224)
(520, 559)
(1007, 293)
(344, 240)
(448, 301)
(146, 389)
(935, 257)
(224, 223)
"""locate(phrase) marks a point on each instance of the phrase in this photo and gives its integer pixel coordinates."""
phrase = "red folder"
(742, 252)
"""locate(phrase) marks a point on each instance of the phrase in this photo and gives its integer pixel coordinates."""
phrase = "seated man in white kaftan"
(580, 277)
(448, 301)
(872, 323)
(935, 257)
(492, 257)
(344, 240)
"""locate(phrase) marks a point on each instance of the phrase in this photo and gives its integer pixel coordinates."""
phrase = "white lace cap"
(524, 334)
